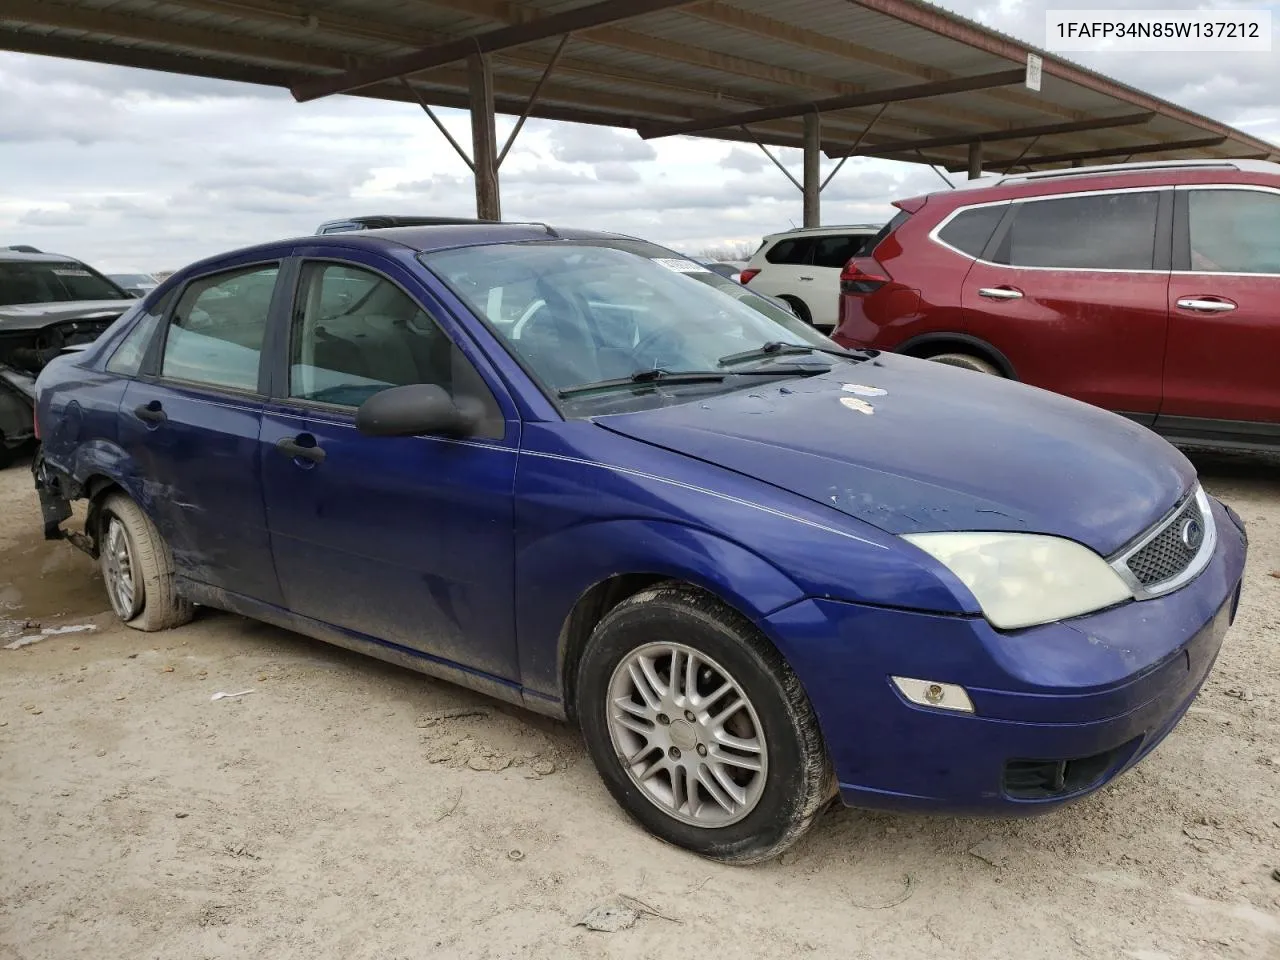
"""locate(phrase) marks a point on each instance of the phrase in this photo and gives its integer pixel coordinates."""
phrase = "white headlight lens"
(1021, 579)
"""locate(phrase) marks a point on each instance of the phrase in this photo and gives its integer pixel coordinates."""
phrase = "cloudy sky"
(133, 170)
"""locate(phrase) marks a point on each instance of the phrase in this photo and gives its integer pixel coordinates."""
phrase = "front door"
(190, 424)
(1073, 294)
(405, 540)
(1224, 308)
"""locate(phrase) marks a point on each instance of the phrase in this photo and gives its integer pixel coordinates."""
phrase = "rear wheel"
(137, 568)
(699, 728)
(801, 310)
(968, 361)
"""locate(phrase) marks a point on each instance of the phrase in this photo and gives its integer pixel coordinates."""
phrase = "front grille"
(1171, 551)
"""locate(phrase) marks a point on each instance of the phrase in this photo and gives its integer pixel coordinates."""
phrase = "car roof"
(831, 228)
(419, 239)
(18, 255)
(1159, 173)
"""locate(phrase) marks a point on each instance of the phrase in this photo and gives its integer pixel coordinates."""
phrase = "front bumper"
(1059, 709)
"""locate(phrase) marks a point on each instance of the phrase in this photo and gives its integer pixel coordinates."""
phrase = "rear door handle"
(294, 450)
(1000, 293)
(152, 412)
(1205, 306)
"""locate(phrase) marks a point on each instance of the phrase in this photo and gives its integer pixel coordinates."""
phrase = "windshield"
(578, 313)
(53, 282)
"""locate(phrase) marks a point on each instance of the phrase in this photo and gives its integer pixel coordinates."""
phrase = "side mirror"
(414, 409)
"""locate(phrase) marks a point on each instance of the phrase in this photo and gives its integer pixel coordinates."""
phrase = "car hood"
(911, 447)
(35, 316)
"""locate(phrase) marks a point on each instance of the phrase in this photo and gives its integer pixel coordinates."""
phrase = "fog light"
(931, 693)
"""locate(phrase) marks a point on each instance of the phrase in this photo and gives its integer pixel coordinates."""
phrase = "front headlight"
(1022, 579)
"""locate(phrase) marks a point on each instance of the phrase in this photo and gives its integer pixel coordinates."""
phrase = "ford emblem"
(1191, 533)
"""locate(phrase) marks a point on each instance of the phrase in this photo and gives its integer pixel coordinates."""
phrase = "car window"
(792, 250)
(837, 251)
(969, 230)
(128, 356)
(578, 313)
(357, 333)
(1234, 231)
(1105, 231)
(215, 333)
(883, 233)
(53, 281)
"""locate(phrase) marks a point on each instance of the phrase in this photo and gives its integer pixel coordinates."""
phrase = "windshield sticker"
(861, 406)
(681, 266)
(69, 272)
(863, 391)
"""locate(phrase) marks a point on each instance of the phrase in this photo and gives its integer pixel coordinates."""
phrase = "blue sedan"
(759, 571)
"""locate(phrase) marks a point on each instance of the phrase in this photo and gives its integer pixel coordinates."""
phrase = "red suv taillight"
(746, 275)
(862, 275)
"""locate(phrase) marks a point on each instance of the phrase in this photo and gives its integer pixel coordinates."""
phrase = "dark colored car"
(758, 570)
(1146, 289)
(47, 303)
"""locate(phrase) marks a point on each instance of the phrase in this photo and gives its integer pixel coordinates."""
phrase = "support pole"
(484, 139)
(812, 170)
(975, 159)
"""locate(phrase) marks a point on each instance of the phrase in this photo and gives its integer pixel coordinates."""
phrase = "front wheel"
(699, 728)
(137, 568)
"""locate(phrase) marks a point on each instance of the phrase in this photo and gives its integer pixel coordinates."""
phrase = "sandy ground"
(350, 809)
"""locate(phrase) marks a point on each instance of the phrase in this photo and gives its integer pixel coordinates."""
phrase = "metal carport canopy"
(897, 79)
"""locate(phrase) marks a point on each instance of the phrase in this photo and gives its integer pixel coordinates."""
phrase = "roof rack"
(992, 180)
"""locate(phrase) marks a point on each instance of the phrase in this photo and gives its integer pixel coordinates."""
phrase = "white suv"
(803, 268)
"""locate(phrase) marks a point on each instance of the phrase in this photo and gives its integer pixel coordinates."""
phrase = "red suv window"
(1102, 231)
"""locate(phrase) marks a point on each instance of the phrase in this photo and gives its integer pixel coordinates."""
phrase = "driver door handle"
(294, 450)
(151, 412)
(1000, 293)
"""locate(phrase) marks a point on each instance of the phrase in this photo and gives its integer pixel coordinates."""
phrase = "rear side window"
(837, 251)
(216, 331)
(794, 250)
(127, 359)
(969, 230)
(1234, 231)
(1106, 231)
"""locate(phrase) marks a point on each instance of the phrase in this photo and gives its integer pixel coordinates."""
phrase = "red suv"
(1149, 289)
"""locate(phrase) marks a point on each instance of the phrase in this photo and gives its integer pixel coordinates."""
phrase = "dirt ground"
(350, 809)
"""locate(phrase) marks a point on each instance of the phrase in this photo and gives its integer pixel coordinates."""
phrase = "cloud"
(571, 143)
(41, 217)
(615, 171)
(744, 161)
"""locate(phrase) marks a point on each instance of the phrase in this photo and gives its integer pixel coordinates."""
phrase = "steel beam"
(1013, 133)
(812, 185)
(580, 18)
(1130, 150)
(870, 98)
(484, 139)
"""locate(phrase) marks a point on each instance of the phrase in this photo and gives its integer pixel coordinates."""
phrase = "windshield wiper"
(656, 376)
(778, 348)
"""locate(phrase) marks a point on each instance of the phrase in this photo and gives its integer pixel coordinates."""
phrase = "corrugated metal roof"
(699, 61)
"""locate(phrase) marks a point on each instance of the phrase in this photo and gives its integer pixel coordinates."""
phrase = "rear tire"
(699, 728)
(802, 311)
(967, 361)
(137, 568)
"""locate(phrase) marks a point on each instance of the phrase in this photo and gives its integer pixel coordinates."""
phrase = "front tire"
(137, 568)
(699, 728)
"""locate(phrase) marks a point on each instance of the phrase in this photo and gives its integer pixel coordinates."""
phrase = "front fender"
(554, 572)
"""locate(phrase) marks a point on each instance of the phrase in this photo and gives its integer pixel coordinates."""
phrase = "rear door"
(190, 425)
(787, 271)
(1073, 290)
(828, 257)
(1224, 307)
(406, 540)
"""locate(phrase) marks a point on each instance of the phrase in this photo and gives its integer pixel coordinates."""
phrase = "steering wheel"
(661, 344)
